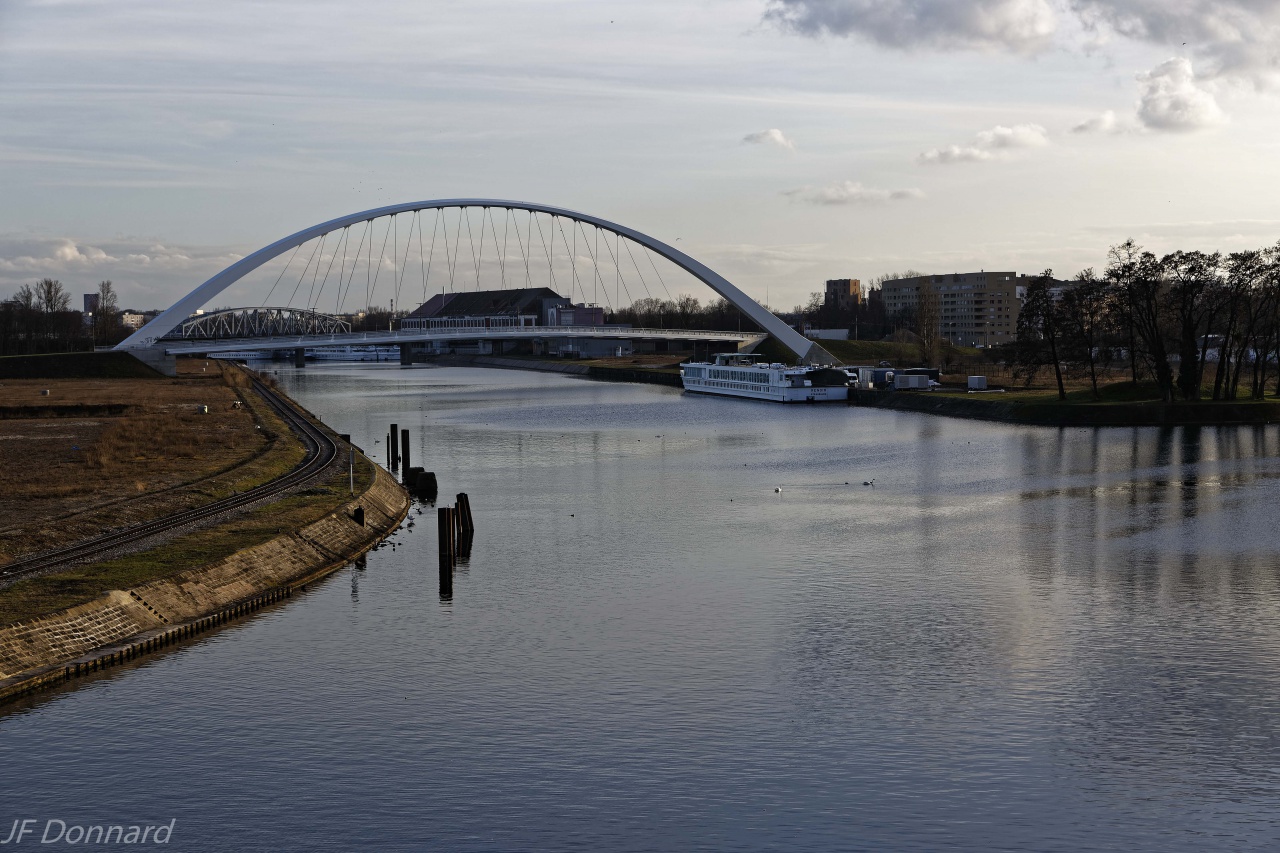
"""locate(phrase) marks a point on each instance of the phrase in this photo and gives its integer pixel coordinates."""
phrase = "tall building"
(977, 309)
(843, 294)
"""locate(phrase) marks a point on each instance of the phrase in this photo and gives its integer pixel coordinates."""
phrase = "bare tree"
(929, 325)
(51, 296)
(1085, 315)
(106, 320)
(1040, 329)
(1192, 297)
(1138, 278)
(24, 297)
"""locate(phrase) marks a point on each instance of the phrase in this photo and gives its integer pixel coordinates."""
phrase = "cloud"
(1171, 99)
(1103, 123)
(1234, 38)
(1018, 136)
(852, 192)
(953, 154)
(147, 273)
(772, 136)
(1021, 26)
(986, 144)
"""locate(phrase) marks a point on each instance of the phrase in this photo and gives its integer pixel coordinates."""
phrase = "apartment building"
(843, 294)
(977, 309)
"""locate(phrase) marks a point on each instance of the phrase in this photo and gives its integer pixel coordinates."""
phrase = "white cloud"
(998, 138)
(953, 154)
(853, 192)
(1022, 26)
(772, 136)
(1018, 136)
(1102, 123)
(144, 271)
(1170, 98)
(1234, 38)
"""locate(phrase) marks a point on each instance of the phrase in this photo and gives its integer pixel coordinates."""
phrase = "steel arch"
(184, 307)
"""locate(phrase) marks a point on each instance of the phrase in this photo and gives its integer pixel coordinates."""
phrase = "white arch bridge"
(152, 344)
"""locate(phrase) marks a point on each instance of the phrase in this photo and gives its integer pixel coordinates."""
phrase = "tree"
(1085, 315)
(1039, 329)
(106, 320)
(1193, 298)
(1138, 279)
(928, 325)
(51, 296)
(24, 297)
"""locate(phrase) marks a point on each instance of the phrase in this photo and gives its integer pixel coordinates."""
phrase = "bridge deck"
(184, 347)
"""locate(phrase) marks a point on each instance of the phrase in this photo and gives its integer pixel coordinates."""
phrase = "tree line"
(1182, 320)
(39, 319)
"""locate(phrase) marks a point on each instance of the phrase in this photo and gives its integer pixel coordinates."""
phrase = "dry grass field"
(72, 477)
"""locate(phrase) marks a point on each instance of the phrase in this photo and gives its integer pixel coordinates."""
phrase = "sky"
(782, 142)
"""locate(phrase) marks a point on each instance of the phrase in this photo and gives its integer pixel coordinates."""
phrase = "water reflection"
(1020, 637)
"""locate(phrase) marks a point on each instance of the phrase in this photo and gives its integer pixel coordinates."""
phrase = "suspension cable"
(296, 249)
(315, 302)
(573, 262)
(617, 265)
(426, 272)
(382, 256)
(649, 255)
(502, 259)
(303, 274)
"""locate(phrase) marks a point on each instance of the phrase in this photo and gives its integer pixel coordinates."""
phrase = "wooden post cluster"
(456, 529)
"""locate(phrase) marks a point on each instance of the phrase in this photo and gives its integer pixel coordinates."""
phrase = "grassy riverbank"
(35, 597)
(165, 455)
(64, 478)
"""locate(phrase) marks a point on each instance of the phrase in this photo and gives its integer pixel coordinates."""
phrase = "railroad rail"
(321, 451)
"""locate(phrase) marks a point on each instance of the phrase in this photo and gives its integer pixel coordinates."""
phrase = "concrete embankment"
(124, 624)
(591, 371)
(1071, 414)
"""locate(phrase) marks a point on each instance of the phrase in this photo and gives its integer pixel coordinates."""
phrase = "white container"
(977, 383)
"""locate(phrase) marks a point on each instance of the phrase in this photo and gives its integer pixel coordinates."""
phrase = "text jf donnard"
(56, 831)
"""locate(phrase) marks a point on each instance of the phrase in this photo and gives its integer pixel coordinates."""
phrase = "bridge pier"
(157, 359)
(300, 357)
(406, 353)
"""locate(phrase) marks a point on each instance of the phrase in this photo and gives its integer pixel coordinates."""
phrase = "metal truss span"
(258, 323)
(149, 334)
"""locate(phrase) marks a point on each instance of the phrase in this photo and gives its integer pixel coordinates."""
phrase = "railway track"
(321, 451)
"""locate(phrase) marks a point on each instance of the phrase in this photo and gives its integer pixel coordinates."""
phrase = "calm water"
(1018, 639)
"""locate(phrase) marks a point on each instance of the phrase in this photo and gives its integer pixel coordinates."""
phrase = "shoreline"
(590, 371)
(1057, 414)
(123, 625)
(1047, 414)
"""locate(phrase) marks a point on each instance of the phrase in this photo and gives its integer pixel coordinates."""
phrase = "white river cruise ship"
(738, 376)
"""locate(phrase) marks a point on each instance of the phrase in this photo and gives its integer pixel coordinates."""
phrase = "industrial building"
(525, 308)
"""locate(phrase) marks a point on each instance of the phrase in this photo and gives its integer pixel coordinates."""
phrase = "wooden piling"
(444, 526)
(392, 439)
(446, 577)
(404, 449)
(464, 507)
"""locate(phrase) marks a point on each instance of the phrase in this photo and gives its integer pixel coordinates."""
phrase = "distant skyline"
(784, 142)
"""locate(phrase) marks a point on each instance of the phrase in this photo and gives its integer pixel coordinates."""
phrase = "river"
(1018, 638)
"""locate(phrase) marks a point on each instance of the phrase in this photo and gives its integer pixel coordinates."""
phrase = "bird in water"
(871, 483)
(778, 488)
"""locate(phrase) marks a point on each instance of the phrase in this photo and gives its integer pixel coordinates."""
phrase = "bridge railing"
(415, 335)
